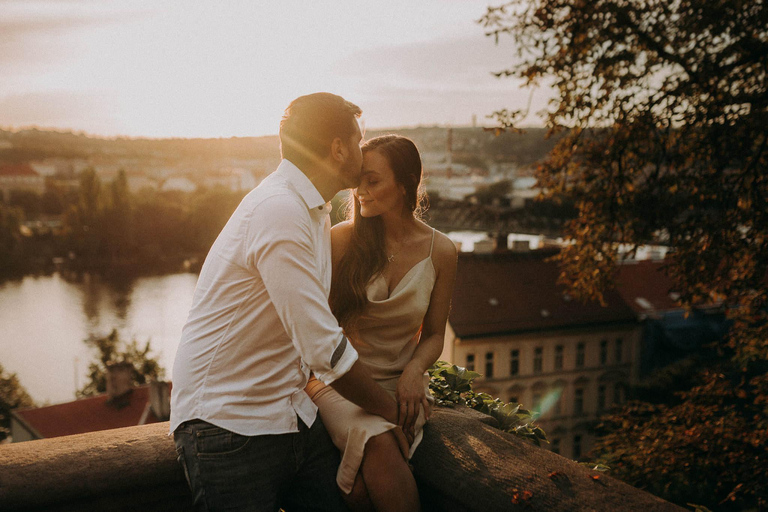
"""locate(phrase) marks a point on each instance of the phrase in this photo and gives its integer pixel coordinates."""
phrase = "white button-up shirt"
(260, 319)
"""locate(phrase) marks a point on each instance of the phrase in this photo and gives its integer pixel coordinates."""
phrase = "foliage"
(666, 109)
(705, 449)
(106, 227)
(595, 467)
(452, 385)
(111, 349)
(663, 112)
(26, 200)
(486, 194)
(10, 237)
(698, 508)
(12, 396)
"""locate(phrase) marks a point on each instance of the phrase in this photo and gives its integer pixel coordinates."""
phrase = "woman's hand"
(410, 397)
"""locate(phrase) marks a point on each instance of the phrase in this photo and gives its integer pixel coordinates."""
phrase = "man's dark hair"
(311, 122)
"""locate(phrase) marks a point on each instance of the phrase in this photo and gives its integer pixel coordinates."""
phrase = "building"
(233, 179)
(139, 183)
(123, 405)
(179, 184)
(534, 344)
(44, 169)
(670, 333)
(19, 177)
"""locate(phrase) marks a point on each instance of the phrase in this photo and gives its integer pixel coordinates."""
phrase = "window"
(580, 355)
(537, 402)
(617, 393)
(555, 445)
(619, 350)
(489, 365)
(577, 447)
(471, 362)
(601, 397)
(514, 362)
(557, 409)
(578, 401)
(604, 352)
(559, 357)
(513, 399)
(538, 356)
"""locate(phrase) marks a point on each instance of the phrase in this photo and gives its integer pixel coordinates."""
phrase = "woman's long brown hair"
(366, 254)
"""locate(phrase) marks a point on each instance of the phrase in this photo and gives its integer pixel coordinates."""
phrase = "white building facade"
(532, 344)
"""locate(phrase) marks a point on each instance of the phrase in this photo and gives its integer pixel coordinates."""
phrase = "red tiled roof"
(17, 170)
(87, 415)
(645, 287)
(512, 292)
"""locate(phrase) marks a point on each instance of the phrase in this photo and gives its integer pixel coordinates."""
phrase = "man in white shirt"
(247, 435)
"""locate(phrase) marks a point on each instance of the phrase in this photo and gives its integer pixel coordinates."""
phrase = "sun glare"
(207, 69)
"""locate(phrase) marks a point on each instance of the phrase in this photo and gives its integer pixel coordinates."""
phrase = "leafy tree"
(486, 194)
(118, 220)
(12, 395)
(85, 219)
(10, 238)
(27, 200)
(209, 211)
(52, 202)
(111, 349)
(160, 230)
(662, 107)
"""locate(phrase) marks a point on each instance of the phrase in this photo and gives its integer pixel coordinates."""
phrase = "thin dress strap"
(433, 243)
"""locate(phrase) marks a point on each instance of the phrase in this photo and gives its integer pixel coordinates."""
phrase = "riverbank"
(45, 318)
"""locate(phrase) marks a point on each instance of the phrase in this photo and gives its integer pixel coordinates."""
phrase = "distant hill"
(33, 144)
(38, 144)
(522, 149)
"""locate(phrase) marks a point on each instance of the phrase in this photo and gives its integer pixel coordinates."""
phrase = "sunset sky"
(192, 68)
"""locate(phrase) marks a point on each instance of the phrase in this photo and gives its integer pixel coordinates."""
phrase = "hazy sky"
(198, 68)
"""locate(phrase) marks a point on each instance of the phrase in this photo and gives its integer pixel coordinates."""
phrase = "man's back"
(237, 365)
(247, 435)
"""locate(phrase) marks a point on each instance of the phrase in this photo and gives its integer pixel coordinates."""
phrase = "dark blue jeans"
(228, 471)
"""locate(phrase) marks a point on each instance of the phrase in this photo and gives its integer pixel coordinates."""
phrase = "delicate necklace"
(391, 257)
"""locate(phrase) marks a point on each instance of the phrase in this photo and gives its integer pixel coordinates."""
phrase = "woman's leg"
(358, 500)
(388, 479)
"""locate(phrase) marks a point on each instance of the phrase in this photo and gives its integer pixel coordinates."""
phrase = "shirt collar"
(302, 185)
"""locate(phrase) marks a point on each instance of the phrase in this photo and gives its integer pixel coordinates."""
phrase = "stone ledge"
(462, 462)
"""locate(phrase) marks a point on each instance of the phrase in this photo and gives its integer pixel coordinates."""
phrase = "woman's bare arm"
(410, 386)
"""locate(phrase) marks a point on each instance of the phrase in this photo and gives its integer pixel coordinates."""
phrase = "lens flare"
(549, 401)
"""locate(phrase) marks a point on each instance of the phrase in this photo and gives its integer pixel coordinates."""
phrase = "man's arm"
(282, 250)
(358, 387)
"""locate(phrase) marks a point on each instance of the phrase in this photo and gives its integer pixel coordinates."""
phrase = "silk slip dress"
(385, 338)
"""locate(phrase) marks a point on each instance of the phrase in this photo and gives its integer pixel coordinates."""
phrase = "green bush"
(452, 385)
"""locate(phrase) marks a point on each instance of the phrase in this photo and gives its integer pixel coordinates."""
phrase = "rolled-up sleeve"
(280, 248)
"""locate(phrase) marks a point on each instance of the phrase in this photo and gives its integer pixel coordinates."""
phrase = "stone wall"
(462, 462)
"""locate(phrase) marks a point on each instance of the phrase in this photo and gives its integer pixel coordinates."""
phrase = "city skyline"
(177, 70)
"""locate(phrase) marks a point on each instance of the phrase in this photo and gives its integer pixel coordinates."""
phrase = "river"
(44, 320)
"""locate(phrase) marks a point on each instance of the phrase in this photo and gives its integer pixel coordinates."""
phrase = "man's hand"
(358, 387)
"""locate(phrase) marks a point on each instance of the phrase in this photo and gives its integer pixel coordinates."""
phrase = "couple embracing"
(291, 318)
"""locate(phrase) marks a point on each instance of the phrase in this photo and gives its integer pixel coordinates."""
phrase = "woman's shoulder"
(341, 234)
(342, 231)
(443, 249)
